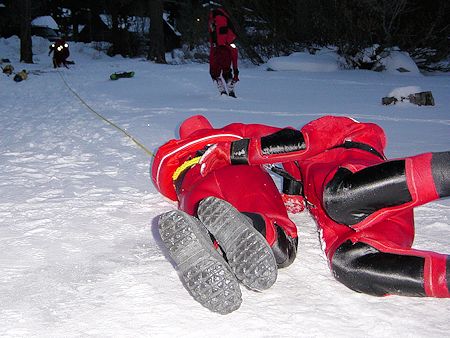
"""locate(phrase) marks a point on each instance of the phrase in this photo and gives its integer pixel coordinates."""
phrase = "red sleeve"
(315, 137)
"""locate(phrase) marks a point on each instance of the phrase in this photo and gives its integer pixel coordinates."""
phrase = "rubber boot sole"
(249, 255)
(204, 272)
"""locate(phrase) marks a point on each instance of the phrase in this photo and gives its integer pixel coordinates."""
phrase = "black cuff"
(283, 141)
(239, 151)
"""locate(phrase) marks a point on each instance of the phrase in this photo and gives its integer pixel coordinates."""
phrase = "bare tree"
(390, 12)
(26, 52)
(156, 50)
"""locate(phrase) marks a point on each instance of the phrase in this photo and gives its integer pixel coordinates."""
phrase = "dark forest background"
(265, 28)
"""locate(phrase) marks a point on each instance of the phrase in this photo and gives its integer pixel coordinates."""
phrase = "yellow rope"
(139, 144)
(184, 166)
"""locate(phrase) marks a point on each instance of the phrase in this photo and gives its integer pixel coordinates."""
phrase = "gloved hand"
(236, 75)
(217, 156)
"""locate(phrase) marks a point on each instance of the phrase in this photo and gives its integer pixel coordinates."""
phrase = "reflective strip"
(184, 166)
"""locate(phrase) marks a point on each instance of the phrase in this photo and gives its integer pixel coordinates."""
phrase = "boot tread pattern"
(204, 272)
(249, 255)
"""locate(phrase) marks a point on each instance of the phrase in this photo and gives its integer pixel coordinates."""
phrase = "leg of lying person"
(376, 203)
(251, 190)
(204, 272)
(379, 261)
(243, 210)
(212, 276)
(361, 197)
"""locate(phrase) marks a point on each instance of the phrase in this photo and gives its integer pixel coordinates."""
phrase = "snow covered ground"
(80, 252)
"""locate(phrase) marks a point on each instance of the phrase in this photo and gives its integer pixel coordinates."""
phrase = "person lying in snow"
(362, 202)
(241, 232)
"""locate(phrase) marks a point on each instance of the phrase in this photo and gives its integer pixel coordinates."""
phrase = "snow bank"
(395, 62)
(45, 21)
(40, 45)
(9, 47)
(399, 63)
(305, 62)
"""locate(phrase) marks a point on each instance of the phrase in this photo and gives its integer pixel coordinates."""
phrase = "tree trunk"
(26, 52)
(74, 21)
(116, 40)
(156, 50)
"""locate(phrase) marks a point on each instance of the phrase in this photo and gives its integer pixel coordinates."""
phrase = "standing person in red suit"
(223, 54)
(362, 202)
(241, 232)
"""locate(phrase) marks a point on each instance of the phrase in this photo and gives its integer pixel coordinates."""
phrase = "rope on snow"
(127, 134)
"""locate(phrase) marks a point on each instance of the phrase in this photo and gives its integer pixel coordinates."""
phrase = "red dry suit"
(362, 203)
(176, 174)
(223, 52)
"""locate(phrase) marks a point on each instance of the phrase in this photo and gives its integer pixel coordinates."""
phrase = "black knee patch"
(284, 248)
(365, 269)
(440, 166)
(258, 222)
(350, 197)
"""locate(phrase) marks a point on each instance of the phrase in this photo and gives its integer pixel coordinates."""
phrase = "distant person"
(223, 56)
(60, 50)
